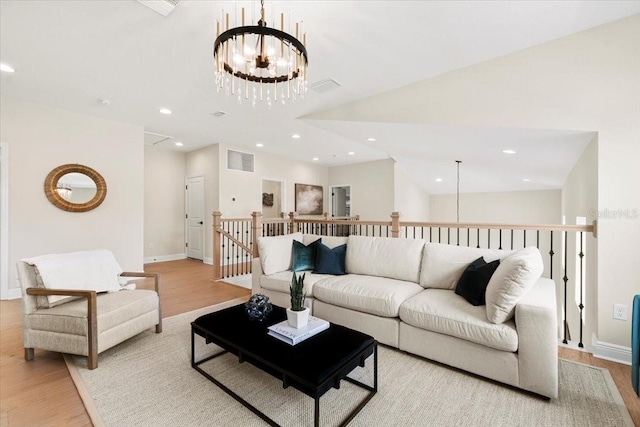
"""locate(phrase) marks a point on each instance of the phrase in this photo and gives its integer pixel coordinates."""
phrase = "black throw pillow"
(473, 282)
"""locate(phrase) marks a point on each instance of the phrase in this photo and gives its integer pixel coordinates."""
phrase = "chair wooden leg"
(159, 327)
(92, 360)
(28, 354)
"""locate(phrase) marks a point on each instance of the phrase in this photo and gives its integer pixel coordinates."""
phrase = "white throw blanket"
(95, 270)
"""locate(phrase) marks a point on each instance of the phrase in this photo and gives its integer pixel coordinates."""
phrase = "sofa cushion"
(442, 311)
(330, 241)
(474, 280)
(513, 278)
(385, 257)
(281, 281)
(276, 252)
(113, 310)
(443, 265)
(369, 294)
(330, 261)
(304, 256)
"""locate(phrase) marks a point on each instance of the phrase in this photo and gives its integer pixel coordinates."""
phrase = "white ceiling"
(72, 54)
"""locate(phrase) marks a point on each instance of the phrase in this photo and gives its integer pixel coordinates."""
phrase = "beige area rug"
(148, 381)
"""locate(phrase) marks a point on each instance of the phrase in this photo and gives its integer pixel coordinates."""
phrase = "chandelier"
(259, 63)
(64, 190)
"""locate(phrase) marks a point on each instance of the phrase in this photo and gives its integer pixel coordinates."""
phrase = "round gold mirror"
(75, 188)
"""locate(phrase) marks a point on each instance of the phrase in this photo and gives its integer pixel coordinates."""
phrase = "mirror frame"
(51, 183)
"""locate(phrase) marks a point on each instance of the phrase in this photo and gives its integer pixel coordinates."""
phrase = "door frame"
(186, 220)
(5, 291)
(331, 187)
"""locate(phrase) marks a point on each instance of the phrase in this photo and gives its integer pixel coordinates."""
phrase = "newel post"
(256, 231)
(217, 224)
(292, 225)
(395, 224)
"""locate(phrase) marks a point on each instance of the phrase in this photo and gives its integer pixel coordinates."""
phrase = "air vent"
(218, 114)
(163, 7)
(239, 161)
(324, 86)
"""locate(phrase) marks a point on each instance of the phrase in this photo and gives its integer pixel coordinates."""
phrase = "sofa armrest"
(92, 317)
(537, 324)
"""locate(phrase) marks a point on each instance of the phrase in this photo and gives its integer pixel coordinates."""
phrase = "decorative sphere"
(258, 307)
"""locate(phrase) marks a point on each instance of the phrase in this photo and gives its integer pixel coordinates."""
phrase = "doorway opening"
(272, 198)
(341, 201)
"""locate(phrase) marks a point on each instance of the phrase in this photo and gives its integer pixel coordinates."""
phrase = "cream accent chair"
(89, 322)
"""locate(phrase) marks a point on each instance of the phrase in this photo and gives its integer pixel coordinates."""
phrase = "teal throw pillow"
(304, 257)
(331, 261)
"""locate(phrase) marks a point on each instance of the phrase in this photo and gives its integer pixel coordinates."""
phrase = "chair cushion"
(369, 294)
(442, 311)
(113, 309)
(443, 265)
(385, 257)
(513, 278)
(276, 252)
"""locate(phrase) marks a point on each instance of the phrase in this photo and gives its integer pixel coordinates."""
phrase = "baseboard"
(162, 258)
(208, 260)
(13, 293)
(613, 352)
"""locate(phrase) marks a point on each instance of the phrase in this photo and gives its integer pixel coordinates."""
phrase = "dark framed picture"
(309, 199)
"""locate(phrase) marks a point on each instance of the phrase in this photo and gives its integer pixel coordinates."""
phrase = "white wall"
(372, 187)
(411, 200)
(164, 194)
(514, 207)
(246, 188)
(42, 138)
(586, 81)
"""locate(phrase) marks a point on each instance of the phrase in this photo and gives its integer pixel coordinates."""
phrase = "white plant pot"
(298, 319)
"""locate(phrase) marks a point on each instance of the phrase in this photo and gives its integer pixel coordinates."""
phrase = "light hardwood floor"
(41, 393)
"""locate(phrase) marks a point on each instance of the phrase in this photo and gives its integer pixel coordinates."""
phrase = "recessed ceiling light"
(508, 151)
(7, 68)
(315, 159)
(526, 179)
(370, 139)
(351, 153)
(178, 144)
(165, 111)
(438, 179)
(295, 136)
(259, 144)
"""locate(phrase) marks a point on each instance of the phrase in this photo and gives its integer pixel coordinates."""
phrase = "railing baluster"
(581, 306)
(565, 279)
(500, 239)
(478, 241)
(512, 239)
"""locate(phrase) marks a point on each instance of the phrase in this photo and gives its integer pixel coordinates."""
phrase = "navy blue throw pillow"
(331, 261)
(472, 285)
(304, 257)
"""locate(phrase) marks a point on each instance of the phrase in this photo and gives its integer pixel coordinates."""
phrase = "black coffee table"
(313, 366)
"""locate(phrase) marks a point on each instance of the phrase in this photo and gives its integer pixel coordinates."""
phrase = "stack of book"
(292, 336)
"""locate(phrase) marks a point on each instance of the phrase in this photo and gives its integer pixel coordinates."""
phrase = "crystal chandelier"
(259, 63)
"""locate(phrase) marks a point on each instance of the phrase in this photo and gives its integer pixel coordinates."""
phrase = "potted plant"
(298, 314)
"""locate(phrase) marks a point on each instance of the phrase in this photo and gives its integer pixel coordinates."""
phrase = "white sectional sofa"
(401, 291)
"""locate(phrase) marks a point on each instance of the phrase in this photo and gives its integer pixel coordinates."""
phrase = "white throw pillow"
(443, 265)
(513, 278)
(276, 252)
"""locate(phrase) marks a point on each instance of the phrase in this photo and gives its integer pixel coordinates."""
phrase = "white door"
(194, 228)
(341, 201)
